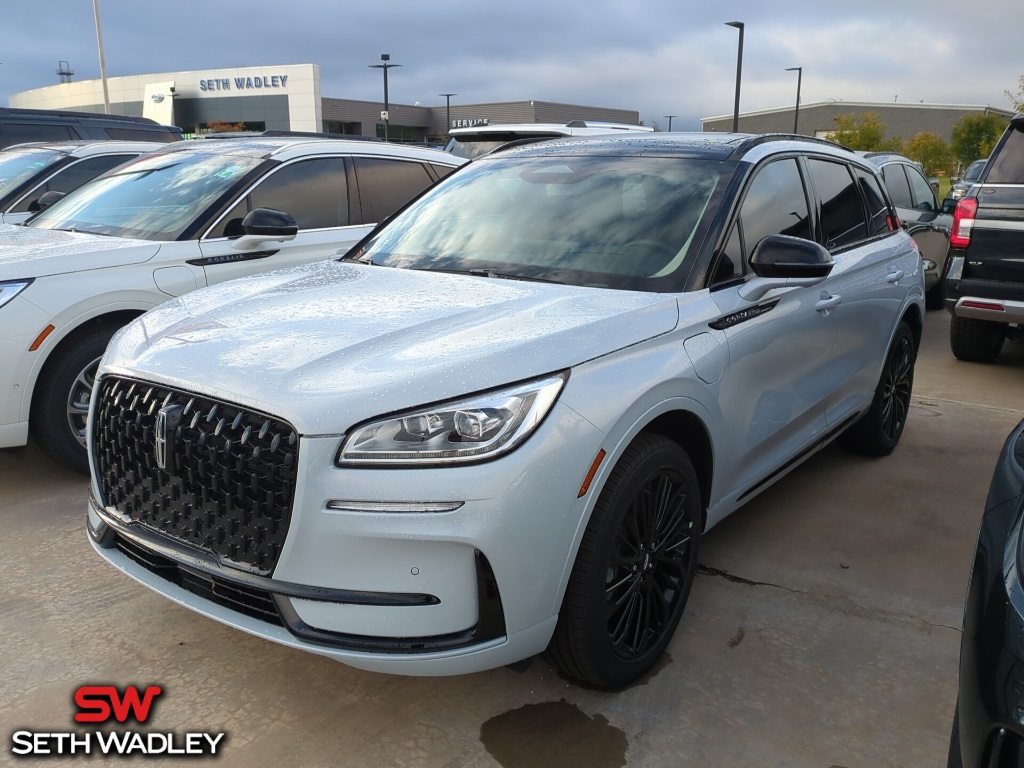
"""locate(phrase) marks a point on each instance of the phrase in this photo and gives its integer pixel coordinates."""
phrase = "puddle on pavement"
(554, 734)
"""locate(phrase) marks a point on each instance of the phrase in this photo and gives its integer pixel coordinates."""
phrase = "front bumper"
(412, 593)
(991, 693)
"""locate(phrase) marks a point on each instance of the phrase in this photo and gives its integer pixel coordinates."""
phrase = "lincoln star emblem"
(167, 420)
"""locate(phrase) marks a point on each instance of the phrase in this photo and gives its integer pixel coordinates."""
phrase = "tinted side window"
(136, 134)
(878, 209)
(19, 133)
(842, 213)
(1008, 162)
(775, 204)
(314, 192)
(72, 177)
(898, 186)
(387, 185)
(924, 195)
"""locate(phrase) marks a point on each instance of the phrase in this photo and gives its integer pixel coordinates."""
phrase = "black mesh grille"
(229, 476)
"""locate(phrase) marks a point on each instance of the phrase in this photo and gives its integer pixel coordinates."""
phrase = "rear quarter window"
(136, 134)
(1007, 164)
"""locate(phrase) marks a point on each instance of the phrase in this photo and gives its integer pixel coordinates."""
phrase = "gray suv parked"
(985, 270)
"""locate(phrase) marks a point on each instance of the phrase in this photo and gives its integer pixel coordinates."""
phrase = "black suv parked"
(18, 126)
(985, 268)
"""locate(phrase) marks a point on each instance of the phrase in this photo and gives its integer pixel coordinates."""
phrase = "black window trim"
(850, 164)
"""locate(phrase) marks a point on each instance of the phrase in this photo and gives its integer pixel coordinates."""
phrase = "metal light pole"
(448, 110)
(796, 112)
(670, 121)
(739, 76)
(385, 65)
(103, 61)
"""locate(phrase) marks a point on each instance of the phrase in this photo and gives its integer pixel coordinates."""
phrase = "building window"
(402, 132)
(346, 129)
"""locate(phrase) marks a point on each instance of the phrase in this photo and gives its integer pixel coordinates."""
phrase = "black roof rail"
(18, 112)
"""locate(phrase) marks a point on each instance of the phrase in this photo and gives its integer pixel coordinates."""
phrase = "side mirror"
(948, 205)
(781, 261)
(46, 200)
(265, 225)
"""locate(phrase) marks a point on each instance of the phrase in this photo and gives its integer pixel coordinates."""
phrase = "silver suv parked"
(502, 423)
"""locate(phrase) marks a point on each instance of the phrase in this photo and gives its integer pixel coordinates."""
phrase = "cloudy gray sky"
(660, 57)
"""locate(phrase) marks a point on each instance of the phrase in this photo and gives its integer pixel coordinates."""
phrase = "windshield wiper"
(487, 272)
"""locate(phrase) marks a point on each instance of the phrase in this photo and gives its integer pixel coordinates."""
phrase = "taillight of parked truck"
(963, 223)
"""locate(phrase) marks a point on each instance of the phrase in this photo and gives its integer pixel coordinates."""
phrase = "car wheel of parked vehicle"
(976, 341)
(879, 430)
(634, 568)
(935, 297)
(61, 403)
(955, 758)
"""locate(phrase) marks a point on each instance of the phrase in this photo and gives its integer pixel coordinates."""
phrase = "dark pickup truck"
(985, 269)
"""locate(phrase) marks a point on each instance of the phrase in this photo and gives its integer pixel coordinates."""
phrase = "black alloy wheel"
(878, 432)
(634, 570)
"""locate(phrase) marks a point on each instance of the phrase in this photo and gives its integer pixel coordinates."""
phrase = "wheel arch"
(914, 318)
(686, 429)
(115, 319)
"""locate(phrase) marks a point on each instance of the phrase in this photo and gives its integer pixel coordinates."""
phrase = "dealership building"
(288, 98)
(901, 120)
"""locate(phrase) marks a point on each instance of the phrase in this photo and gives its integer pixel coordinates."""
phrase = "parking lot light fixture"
(448, 110)
(670, 122)
(739, 75)
(385, 65)
(796, 111)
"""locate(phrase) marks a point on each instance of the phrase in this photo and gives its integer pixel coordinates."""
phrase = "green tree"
(931, 152)
(865, 132)
(1017, 99)
(974, 136)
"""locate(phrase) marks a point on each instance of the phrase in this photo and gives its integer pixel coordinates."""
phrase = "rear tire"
(878, 432)
(60, 404)
(634, 569)
(975, 341)
(935, 297)
(955, 758)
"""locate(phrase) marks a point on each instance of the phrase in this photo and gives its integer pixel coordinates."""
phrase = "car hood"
(329, 344)
(31, 252)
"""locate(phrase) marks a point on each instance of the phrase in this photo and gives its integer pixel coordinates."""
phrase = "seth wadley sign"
(243, 83)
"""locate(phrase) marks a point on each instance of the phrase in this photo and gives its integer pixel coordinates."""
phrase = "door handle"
(827, 302)
(894, 277)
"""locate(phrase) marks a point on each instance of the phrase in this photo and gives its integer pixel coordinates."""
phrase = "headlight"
(475, 428)
(11, 289)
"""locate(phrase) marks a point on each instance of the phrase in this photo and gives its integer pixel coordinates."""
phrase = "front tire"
(878, 432)
(60, 404)
(634, 569)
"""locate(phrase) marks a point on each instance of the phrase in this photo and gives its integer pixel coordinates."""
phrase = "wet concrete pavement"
(822, 631)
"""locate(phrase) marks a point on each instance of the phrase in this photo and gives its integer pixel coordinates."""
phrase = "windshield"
(156, 197)
(19, 165)
(973, 172)
(611, 222)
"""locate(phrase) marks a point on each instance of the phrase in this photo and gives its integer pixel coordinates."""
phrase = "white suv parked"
(30, 171)
(481, 139)
(189, 215)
